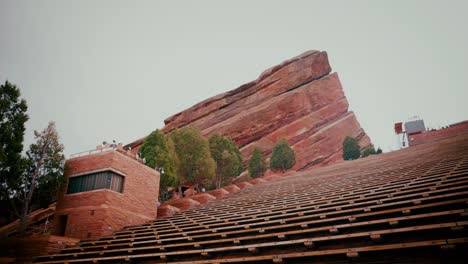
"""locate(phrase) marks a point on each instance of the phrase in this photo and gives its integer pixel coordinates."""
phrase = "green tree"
(379, 151)
(44, 171)
(283, 156)
(159, 154)
(12, 119)
(257, 164)
(227, 157)
(368, 151)
(195, 166)
(351, 149)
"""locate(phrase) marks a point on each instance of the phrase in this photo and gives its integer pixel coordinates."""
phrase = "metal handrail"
(93, 151)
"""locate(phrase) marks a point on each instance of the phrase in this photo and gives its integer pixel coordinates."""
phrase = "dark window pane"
(101, 180)
(88, 182)
(73, 185)
(95, 181)
(117, 182)
(108, 180)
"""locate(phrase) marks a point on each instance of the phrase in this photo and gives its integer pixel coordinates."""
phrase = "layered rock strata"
(299, 99)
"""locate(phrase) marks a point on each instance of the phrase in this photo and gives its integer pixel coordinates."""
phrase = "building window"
(95, 181)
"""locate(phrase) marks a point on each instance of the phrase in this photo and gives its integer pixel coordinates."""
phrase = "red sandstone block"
(203, 198)
(218, 193)
(184, 203)
(167, 210)
(272, 178)
(290, 172)
(269, 173)
(257, 181)
(243, 185)
(190, 192)
(231, 188)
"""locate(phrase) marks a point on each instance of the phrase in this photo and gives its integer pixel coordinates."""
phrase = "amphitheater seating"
(406, 206)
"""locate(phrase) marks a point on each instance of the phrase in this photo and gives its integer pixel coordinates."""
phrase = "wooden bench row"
(383, 215)
(317, 212)
(410, 199)
(263, 233)
(312, 243)
(396, 194)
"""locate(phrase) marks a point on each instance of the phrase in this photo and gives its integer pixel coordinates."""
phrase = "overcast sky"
(107, 70)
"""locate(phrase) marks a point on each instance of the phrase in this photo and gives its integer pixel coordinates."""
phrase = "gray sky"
(108, 70)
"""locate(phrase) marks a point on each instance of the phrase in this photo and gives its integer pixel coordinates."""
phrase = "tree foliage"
(379, 151)
(227, 157)
(257, 164)
(195, 165)
(368, 151)
(38, 176)
(351, 149)
(283, 156)
(159, 154)
(12, 119)
(44, 171)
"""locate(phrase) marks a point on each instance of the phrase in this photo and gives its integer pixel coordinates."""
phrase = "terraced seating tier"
(408, 206)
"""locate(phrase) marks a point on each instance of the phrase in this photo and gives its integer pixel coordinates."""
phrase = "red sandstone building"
(104, 193)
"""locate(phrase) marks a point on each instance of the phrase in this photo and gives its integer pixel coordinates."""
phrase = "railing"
(94, 151)
(107, 147)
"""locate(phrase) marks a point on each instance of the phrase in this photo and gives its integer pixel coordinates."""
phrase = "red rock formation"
(183, 203)
(231, 188)
(243, 185)
(257, 181)
(167, 210)
(218, 193)
(274, 81)
(203, 198)
(298, 99)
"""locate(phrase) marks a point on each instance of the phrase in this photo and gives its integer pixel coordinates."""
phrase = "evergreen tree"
(351, 149)
(379, 151)
(227, 158)
(283, 156)
(368, 151)
(195, 166)
(159, 154)
(12, 119)
(257, 164)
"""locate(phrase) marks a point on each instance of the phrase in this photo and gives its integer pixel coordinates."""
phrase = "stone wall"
(21, 250)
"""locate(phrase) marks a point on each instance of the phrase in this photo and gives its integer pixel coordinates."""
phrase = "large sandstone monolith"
(299, 99)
